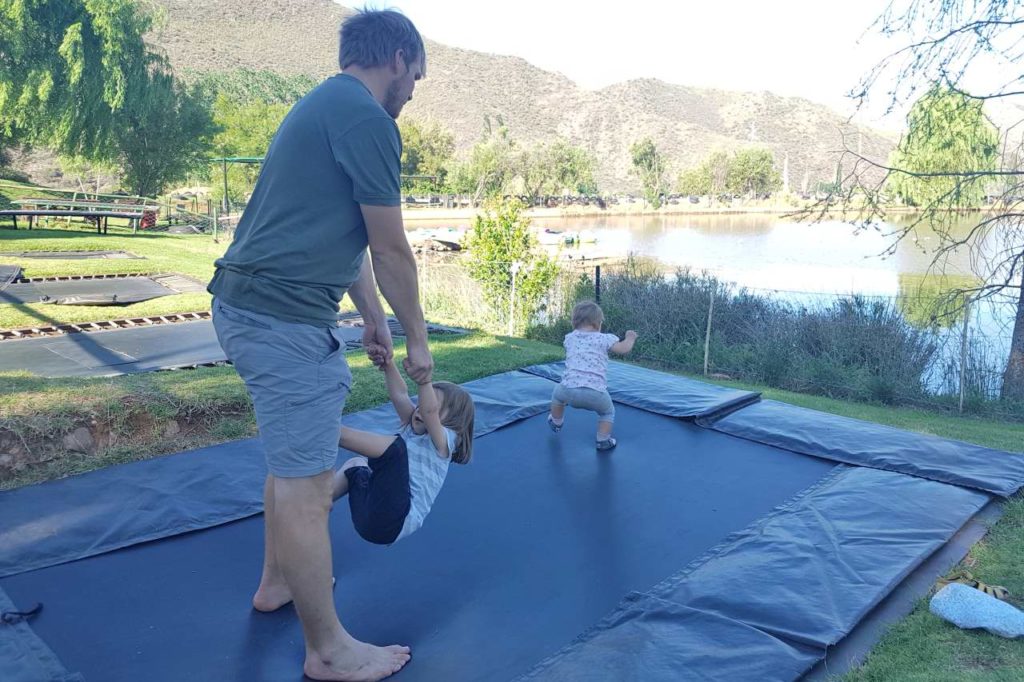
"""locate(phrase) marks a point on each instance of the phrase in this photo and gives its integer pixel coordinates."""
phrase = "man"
(329, 188)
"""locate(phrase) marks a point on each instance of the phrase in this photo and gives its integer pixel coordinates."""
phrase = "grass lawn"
(191, 255)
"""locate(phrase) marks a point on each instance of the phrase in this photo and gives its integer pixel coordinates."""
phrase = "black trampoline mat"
(121, 351)
(71, 255)
(526, 547)
(119, 289)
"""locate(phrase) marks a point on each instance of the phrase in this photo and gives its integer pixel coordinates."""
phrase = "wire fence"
(915, 349)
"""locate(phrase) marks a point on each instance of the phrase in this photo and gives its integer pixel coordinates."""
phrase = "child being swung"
(584, 384)
(392, 485)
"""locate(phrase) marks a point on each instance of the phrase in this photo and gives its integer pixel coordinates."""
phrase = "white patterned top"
(586, 359)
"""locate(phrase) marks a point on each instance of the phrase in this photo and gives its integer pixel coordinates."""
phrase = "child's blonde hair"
(458, 414)
(587, 313)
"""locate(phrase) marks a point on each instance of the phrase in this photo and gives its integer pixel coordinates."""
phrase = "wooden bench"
(99, 218)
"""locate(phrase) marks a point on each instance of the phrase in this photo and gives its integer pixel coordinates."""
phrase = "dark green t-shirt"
(300, 243)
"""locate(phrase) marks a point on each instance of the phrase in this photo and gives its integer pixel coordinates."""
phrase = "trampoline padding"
(865, 444)
(666, 394)
(804, 575)
(654, 640)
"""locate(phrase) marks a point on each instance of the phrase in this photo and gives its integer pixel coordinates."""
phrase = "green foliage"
(649, 167)
(748, 171)
(557, 168)
(694, 181)
(245, 129)
(947, 132)
(753, 172)
(427, 149)
(164, 136)
(66, 67)
(491, 165)
(502, 248)
(77, 76)
(249, 86)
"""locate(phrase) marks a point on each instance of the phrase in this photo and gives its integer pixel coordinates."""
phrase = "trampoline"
(99, 290)
(71, 255)
(726, 538)
(140, 348)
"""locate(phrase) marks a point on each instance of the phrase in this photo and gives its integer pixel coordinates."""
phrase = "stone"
(172, 429)
(79, 440)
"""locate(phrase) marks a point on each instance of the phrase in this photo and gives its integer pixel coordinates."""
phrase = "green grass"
(191, 255)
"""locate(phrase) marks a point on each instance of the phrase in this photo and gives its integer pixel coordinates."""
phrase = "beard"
(393, 101)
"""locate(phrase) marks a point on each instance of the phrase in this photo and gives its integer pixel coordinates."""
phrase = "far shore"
(466, 215)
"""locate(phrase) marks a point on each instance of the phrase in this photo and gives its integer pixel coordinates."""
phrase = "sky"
(813, 49)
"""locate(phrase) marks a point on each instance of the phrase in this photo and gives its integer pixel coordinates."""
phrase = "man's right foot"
(360, 662)
(607, 444)
(554, 427)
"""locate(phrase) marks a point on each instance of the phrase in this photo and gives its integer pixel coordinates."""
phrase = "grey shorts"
(298, 380)
(586, 399)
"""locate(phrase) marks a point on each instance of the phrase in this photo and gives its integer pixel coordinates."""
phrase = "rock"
(172, 429)
(79, 440)
(6, 461)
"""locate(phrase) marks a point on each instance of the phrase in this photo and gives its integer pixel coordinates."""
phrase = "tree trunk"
(1013, 377)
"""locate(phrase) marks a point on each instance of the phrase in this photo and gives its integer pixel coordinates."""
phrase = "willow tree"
(947, 131)
(76, 76)
(947, 160)
(65, 67)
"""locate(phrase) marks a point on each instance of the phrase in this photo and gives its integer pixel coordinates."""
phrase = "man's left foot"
(607, 444)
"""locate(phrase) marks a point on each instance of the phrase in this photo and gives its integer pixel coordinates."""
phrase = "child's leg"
(558, 401)
(340, 485)
(379, 495)
(599, 402)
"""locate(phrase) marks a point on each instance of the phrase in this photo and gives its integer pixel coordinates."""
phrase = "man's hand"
(418, 363)
(377, 342)
(631, 335)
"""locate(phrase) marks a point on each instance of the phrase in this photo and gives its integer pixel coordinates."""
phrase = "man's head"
(384, 41)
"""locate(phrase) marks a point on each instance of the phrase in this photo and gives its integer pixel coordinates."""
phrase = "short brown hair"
(587, 312)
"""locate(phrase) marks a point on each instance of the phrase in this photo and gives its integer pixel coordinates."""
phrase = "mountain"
(464, 86)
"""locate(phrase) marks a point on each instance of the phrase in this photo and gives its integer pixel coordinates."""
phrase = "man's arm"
(395, 270)
(363, 293)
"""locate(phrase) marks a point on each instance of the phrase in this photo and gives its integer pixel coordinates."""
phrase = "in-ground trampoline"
(726, 538)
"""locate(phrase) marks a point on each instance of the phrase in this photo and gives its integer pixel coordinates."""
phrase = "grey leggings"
(586, 399)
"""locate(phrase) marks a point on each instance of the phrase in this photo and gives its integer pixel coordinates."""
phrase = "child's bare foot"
(272, 596)
(357, 662)
(340, 485)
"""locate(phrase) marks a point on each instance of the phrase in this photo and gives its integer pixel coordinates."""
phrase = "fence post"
(597, 284)
(963, 351)
(216, 224)
(707, 333)
(512, 299)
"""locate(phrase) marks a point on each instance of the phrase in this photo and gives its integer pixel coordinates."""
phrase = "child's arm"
(398, 391)
(430, 413)
(365, 443)
(626, 345)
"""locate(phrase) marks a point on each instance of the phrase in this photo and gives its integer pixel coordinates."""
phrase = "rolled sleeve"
(371, 154)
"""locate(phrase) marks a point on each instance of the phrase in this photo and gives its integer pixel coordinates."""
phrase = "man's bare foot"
(340, 485)
(272, 596)
(360, 662)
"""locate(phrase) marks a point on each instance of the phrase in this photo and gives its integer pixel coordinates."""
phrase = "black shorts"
(379, 495)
